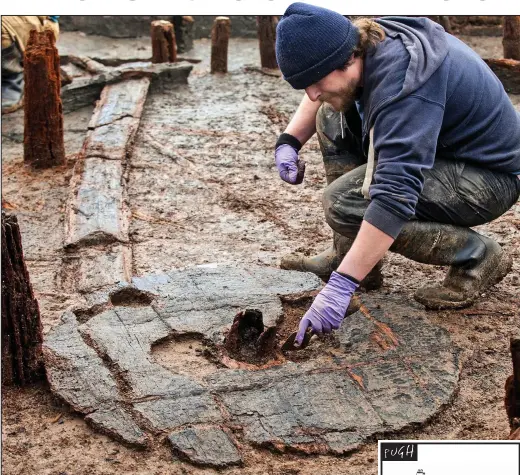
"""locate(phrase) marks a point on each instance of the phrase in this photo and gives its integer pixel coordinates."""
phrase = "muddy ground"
(203, 188)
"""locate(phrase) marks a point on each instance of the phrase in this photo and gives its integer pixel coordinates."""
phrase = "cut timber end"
(21, 325)
(219, 44)
(43, 115)
(508, 71)
(511, 41)
(164, 47)
(267, 39)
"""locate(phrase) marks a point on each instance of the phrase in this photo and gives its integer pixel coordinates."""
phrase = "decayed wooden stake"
(515, 355)
(512, 389)
(183, 26)
(511, 41)
(21, 324)
(267, 38)
(43, 116)
(445, 23)
(219, 44)
(164, 47)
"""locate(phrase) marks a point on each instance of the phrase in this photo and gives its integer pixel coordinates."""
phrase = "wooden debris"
(43, 116)
(21, 325)
(508, 71)
(65, 77)
(267, 38)
(219, 44)
(85, 91)
(276, 73)
(97, 268)
(87, 64)
(511, 41)
(512, 391)
(115, 62)
(515, 355)
(164, 47)
(515, 435)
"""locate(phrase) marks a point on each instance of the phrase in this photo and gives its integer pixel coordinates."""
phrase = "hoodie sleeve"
(405, 143)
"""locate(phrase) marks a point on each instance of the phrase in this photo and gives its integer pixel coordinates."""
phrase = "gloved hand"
(329, 307)
(290, 167)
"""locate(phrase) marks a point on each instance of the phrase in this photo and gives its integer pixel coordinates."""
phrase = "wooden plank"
(101, 268)
(85, 91)
(125, 99)
(97, 211)
(111, 141)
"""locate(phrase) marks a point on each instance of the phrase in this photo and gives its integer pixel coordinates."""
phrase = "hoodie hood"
(387, 80)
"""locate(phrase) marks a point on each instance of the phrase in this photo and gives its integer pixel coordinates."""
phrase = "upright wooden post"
(512, 390)
(511, 41)
(43, 115)
(267, 38)
(21, 324)
(445, 22)
(219, 44)
(164, 48)
(183, 26)
(515, 355)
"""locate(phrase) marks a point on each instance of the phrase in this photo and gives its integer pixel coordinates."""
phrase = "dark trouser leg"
(341, 154)
(456, 195)
(12, 78)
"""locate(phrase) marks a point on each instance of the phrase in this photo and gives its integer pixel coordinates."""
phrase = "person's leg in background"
(15, 35)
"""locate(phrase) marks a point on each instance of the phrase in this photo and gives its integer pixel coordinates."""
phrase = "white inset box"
(447, 457)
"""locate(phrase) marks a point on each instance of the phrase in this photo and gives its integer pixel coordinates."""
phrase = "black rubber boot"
(12, 79)
(340, 155)
(327, 261)
(476, 262)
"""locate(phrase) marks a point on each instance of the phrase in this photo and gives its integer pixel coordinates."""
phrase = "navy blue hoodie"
(427, 95)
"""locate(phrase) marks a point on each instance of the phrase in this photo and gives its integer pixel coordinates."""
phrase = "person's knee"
(343, 210)
(324, 119)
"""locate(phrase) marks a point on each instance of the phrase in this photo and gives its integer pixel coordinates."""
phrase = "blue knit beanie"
(311, 42)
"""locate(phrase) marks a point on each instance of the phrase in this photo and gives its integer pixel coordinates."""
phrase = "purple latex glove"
(290, 167)
(329, 307)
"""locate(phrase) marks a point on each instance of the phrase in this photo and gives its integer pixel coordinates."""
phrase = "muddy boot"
(476, 262)
(327, 261)
(321, 264)
(12, 79)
